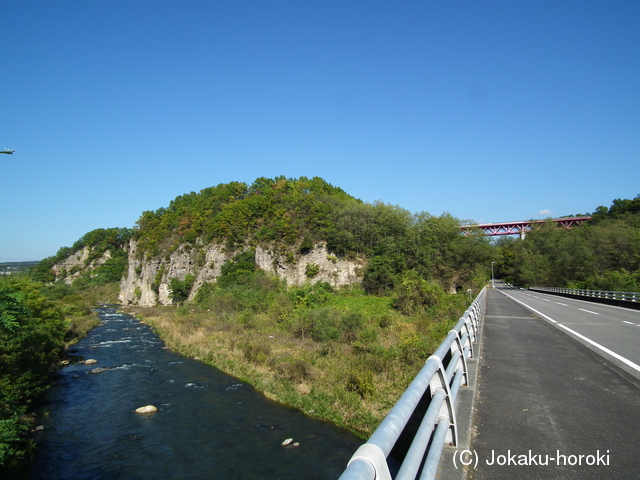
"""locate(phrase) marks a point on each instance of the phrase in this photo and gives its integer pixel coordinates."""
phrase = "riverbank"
(351, 380)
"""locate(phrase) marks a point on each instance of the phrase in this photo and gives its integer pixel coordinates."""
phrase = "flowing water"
(209, 425)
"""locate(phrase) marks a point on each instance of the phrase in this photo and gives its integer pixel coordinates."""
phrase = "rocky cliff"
(146, 281)
(78, 263)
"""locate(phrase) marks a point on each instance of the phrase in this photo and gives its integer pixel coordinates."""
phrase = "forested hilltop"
(294, 215)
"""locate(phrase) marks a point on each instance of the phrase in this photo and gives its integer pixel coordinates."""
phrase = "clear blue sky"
(488, 110)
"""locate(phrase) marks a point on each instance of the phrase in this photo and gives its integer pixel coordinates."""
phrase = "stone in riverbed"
(147, 409)
(98, 370)
(90, 361)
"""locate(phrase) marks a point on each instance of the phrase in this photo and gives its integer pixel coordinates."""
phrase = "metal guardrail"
(442, 375)
(618, 296)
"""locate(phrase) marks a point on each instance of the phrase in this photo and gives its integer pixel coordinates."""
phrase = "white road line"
(633, 365)
(589, 311)
(563, 304)
(630, 323)
(530, 308)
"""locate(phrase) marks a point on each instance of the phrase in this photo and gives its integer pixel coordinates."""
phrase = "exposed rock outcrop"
(146, 281)
(315, 265)
(77, 264)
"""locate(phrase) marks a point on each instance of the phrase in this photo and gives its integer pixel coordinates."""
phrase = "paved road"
(611, 331)
(546, 405)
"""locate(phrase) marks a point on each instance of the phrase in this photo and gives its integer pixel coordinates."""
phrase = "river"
(209, 425)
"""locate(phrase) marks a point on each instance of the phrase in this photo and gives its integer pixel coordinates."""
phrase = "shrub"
(257, 352)
(239, 270)
(351, 323)
(310, 295)
(362, 383)
(368, 335)
(414, 294)
(179, 290)
(306, 245)
(293, 370)
(324, 328)
(320, 324)
(413, 349)
(311, 270)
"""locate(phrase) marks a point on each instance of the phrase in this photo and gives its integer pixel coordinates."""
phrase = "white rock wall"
(205, 264)
(78, 261)
(337, 272)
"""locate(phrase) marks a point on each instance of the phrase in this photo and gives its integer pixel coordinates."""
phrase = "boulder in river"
(98, 370)
(147, 409)
(90, 361)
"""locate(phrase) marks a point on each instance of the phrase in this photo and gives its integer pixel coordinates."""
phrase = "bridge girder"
(520, 228)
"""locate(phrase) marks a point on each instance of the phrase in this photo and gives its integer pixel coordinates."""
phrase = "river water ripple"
(209, 425)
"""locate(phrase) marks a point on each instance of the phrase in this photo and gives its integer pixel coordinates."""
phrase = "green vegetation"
(180, 289)
(37, 323)
(603, 254)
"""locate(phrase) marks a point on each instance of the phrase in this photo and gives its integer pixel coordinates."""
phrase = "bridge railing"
(603, 294)
(441, 377)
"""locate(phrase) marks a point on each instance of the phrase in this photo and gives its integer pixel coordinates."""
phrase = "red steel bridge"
(520, 228)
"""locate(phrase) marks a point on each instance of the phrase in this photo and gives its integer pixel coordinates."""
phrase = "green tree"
(32, 331)
(414, 294)
(179, 290)
(379, 276)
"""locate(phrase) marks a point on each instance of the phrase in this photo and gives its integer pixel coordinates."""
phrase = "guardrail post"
(440, 382)
(372, 454)
(457, 350)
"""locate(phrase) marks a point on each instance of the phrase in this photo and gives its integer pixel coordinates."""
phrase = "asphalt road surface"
(610, 331)
(549, 403)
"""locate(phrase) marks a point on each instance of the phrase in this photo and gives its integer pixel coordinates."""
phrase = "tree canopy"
(296, 213)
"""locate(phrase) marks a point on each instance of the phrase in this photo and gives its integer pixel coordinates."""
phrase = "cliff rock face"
(313, 266)
(146, 281)
(78, 263)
